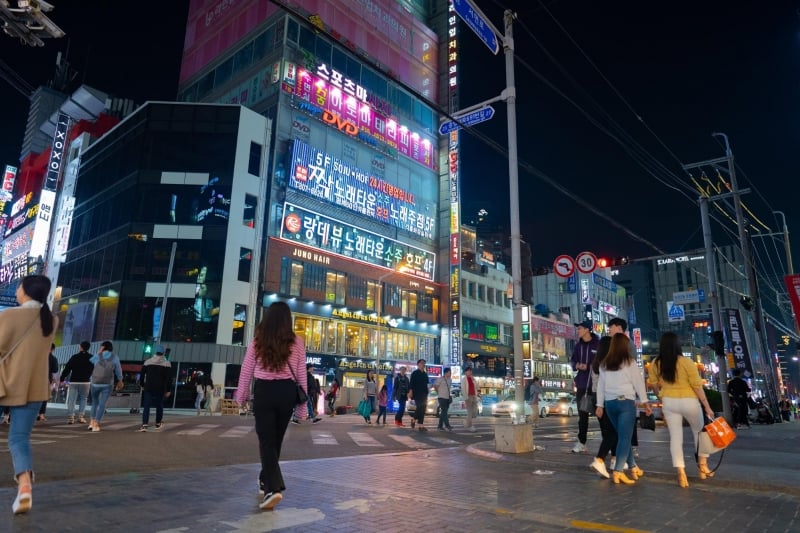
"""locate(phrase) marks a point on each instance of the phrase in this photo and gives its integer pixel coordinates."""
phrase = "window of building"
(239, 324)
(481, 292)
(335, 287)
(373, 291)
(245, 263)
(249, 213)
(490, 295)
(254, 161)
(224, 72)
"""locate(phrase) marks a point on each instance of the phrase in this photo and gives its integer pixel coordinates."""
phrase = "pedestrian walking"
(333, 392)
(200, 392)
(77, 375)
(739, 392)
(52, 379)
(106, 368)
(471, 394)
(619, 385)
(314, 392)
(620, 325)
(608, 442)
(208, 392)
(581, 361)
(677, 380)
(156, 383)
(25, 333)
(443, 393)
(275, 359)
(535, 394)
(785, 407)
(400, 393)
(418, 391)
(370, 392)
(383, 404)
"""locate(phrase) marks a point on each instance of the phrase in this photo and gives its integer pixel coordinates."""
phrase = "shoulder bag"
(3, 357)
(300, 395)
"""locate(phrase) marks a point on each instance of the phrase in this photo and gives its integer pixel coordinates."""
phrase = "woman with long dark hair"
(276, 358)
(27, 333)
(677, 380)
(619, 385)
(370, 392)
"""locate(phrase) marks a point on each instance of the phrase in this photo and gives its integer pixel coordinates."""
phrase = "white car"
(564, 406)
(509, 406)
(458, 405)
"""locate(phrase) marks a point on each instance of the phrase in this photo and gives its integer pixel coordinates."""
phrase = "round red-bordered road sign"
(586, 262)
(564, 266)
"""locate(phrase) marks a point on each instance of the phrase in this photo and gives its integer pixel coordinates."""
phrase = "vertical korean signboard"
(455, 215)
(47, 201)
(741, 354)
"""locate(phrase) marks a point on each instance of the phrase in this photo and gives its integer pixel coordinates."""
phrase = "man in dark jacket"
(314, 390)
(418, 391)
(156, 382)
(582, 357)
(739, 391)
(400, 393)
(78, 371)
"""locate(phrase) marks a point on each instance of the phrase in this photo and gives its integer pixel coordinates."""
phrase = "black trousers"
(444, 408)
(273, 403)
(419, 412)
(583, 418)
(401, 409)
(609, 442)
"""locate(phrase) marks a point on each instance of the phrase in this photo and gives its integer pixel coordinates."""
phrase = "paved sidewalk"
(763, 458)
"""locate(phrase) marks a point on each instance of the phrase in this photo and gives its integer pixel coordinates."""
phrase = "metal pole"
(513, 182)
(716, 313)
(761, 340)
(786, 243)
(166, 292)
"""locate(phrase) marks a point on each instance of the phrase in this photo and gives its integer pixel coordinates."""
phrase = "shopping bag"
(705, 446)
(719, 432)
(364, 408)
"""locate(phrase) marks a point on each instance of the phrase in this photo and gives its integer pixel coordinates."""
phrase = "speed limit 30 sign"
(586, 262)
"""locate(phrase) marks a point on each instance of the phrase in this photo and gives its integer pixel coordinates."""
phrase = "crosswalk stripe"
(323, 437)
(198, 430)
(362, 439)
(118, 425)
(237, 431)
(442, 440)
(410, 442)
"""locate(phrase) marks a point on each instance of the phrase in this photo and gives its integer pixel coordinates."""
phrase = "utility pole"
(786, 243)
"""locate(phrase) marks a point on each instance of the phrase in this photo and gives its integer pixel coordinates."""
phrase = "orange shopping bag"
(720, 432)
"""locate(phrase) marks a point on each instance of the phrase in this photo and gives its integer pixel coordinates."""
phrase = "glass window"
(481, 293)
(249, 214)
(323, 52)
(224, 72)
(315, 338)
(307, 40)
(296, 279)
(254, 162)
(243, 58)
(205, 85)
(293, 31)
(239, 323)
(245, 262)
(335, 287)
(372, 296)
(301, 326)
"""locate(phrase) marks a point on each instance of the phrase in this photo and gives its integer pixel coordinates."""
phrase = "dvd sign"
(345, 126)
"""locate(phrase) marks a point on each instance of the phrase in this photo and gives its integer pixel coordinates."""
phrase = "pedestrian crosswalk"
(367, 438)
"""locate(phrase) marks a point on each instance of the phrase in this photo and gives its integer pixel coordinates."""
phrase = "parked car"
(655, 406)
(509, 406)
(458, 405)
(564, 406)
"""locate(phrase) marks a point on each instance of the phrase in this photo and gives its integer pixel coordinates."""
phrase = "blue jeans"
(150, 399)
(79, 391)
(312, 412)
(19, 436)
(622, 414)
(100, 394)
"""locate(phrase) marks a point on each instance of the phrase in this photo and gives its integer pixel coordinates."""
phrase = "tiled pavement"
(454, 489)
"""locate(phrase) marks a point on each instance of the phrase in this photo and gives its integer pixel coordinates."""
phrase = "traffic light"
(147, 350)
(719, 342)
(602, 262)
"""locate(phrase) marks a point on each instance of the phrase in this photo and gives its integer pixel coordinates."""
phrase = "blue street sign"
(470, 119)
(477, 22)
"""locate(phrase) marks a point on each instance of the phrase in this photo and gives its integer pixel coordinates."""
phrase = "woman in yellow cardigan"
(679, 384)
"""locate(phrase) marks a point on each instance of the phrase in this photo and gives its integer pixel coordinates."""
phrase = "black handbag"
(647, 421)
(300, 395)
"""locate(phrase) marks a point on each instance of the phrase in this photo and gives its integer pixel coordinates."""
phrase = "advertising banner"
(741, 354)
(303, 226)
(793, 286)
(57, 153)
(9, 176)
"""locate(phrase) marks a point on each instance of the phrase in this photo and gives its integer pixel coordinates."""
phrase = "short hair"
(737, 372)
(446, 370)
(535, 379)
(108, 346)
(420, 361)
(85, 345)
(309, 365)
(468, 369)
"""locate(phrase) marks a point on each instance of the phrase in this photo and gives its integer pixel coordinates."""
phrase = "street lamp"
(381, 345)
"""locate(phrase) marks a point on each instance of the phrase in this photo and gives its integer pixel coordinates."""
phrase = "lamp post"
(381, 342)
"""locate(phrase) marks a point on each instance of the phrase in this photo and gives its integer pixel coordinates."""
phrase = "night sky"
(678, 71)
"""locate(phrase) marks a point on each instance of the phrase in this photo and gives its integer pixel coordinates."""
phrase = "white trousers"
(675, 410)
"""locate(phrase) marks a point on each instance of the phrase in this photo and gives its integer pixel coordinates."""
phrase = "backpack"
(103, 373)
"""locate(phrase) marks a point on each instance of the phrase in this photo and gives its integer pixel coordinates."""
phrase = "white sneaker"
(635, 451)
(599, 466)
(579, 448)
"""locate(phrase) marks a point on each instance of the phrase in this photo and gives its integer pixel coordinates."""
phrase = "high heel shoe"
(620, 477)
(702, 466)
(24, 500)
(682, 481)
(636, 472)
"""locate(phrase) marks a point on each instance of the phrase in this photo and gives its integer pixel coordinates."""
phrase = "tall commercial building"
(356, 208)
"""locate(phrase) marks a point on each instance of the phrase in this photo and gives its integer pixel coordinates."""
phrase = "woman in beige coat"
(27, 333)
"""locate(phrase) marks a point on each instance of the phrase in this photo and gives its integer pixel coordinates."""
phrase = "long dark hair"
(38, 288)
(602, 350)
(669, 348)
(274, 337)
(370, 375)
(619, 353)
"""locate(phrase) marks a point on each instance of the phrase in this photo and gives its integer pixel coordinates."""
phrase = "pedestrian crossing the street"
(367, 438)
